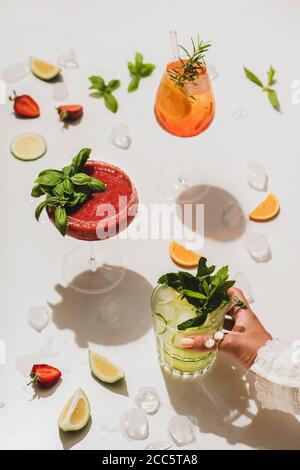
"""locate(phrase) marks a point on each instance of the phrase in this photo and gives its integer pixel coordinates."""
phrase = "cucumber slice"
(160, 324)
(28, 147)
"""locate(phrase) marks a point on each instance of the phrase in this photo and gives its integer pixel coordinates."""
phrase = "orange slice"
(266, 210)
(182, 256)
(173, 101)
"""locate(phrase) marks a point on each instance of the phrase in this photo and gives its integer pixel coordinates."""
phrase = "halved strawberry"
(44, 375)
(25, 106)
(70, 112)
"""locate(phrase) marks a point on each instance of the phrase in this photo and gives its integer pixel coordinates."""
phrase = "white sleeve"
(277, 369)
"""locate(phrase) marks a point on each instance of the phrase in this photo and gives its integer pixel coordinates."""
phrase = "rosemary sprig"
(188, 69)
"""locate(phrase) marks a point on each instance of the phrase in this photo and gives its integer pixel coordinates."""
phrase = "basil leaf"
(110, 102)
(67, 186)
(81, 179)
(40, 209)
(147, 70)
(134, 84)
(61, 220)
(96, 186)
(68, 171)
(80, 159)
(113, 85)
(37, 191)
(49, 178)
(273, 98)
(50, 170)
(97, 82)
(253, 78)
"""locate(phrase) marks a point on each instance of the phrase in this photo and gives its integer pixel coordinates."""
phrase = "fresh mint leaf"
(134, 84)
(273, 98)
(241, 304)
(271, 73)
(253, 78)
(97, 83)
(192, 322)
(137, 71)
(105, 91)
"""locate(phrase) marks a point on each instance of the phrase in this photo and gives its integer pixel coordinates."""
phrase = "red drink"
(91, 217)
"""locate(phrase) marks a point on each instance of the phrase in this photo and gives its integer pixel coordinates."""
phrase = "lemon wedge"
(104, 369)
(76, 412)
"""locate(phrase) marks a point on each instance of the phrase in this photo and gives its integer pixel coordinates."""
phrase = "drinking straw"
(174, 44)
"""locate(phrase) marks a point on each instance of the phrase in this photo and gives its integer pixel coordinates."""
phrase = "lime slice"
(43, 70)
(167, 303)
(76, 412)
(104, 369)
(28, 147)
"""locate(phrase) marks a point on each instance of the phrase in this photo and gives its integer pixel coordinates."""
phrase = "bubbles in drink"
(38, 317)
(147, 399)
(257, 176)
(134, 424)
(60, 91)
(258, 247)
(68, 59)
(181, 430)
(159, 445)
(14, 72)
(120, 137)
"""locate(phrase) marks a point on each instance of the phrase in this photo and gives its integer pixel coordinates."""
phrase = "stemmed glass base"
(91, 269)
(177, 182)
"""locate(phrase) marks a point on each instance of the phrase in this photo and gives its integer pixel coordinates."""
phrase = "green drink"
(184, 305)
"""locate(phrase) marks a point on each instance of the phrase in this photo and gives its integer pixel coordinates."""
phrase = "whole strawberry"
(70, 112)
(25, 106)
(44, 375)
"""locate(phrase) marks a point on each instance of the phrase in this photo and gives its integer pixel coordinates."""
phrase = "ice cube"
(257, 176)
(120, 137)
(197, 87)
(240, 114)
(14, 72)
(111, 310)
(181, 430)
(147, 399)
(258, 247)
(232, 215)
(212, 72)
(68, 59)
(243, 283)
(60, 91)
(38, 317)
(159, 445)
(134, 424)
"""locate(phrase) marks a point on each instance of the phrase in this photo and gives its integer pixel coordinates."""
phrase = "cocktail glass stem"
(182, 176)
(93, 260)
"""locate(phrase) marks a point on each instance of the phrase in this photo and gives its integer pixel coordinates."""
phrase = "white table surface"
(105, 35)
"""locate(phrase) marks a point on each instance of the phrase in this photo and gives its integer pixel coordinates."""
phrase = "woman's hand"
(243, 341)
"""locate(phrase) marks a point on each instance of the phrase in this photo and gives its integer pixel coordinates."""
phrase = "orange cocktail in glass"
(187, 108)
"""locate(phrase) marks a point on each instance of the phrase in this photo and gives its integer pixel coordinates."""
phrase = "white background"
(105, 36)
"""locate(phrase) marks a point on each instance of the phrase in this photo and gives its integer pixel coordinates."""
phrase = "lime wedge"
(28, 147)
(76, 412)
(43, 70)
(104, 369)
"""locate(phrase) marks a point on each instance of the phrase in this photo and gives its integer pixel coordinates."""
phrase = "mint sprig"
(205, 291)
(137, 71)
(65, 189)
(101, 90)
(271, 93)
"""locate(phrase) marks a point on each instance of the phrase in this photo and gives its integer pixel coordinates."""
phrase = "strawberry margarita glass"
(92, 268)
